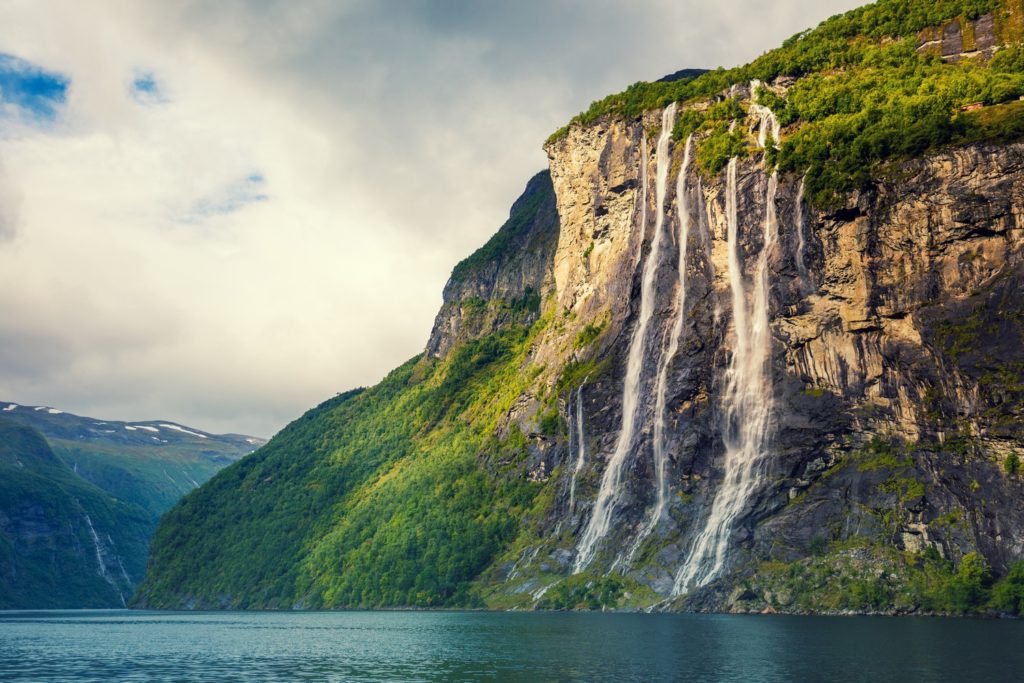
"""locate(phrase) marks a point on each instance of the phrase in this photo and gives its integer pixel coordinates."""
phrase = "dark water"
(469, 646)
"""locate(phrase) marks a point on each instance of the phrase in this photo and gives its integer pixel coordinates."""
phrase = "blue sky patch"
(146, 90)
(36, 91)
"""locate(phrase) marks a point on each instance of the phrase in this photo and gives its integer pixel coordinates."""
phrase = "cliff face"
(505, 277)
(893, 373)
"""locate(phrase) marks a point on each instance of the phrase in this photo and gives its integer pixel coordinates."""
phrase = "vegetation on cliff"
(400, 494)
(864, 91)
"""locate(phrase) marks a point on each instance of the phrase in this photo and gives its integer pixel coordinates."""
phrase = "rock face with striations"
(893, 321)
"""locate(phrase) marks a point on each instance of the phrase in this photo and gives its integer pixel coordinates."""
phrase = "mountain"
(751, 343)
(63, 541)
(80, 499)
(151, 464)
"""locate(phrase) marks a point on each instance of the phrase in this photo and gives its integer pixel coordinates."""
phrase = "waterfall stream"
(581, 450)
(612, 480)
(661, 385)
(769, 123)
(101, 561)
(747, 400)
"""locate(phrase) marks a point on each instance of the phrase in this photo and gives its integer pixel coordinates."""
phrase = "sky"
(224, 212)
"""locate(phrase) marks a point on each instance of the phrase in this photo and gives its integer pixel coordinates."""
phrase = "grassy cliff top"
(861, 89)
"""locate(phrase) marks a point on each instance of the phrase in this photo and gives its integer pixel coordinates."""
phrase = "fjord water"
(121, 645)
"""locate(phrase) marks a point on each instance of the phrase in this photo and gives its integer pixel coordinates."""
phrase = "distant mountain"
(63, 541)
(682, 75)
(152, 464)
(80, 499)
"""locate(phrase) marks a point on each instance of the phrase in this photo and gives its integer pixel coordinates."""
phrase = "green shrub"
(1008, 593)
(583, 591)
(1012, 463)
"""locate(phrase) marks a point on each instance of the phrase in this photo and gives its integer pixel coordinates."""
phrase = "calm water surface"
(123, 645)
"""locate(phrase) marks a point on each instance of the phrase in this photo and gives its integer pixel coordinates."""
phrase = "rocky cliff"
(751, 344)
(894, 369)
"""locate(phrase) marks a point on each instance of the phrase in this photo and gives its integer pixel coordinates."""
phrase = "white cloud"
(147, 275)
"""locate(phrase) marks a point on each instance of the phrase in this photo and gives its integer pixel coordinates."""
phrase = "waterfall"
(581, 449)
(769, 123)
(661, 386)
(611, 481)
(747, 401)
(801, 245)
(100, 561)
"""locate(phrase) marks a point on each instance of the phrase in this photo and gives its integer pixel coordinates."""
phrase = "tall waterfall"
(747, 401)
(581, 450)
(611, 481)
(661, 385)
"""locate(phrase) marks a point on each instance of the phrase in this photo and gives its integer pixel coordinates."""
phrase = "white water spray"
(661, 386)
(747, 401)
(581, 450)
(611, 481)
(769, 123)
(100, 560)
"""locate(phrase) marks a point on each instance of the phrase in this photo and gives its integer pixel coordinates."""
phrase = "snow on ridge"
(130, 428)
(179, 428)
(54, 411)
(10, 407)
(148, 428)
(39, 408)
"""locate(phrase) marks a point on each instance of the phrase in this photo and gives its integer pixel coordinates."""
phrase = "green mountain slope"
(396, 495)
(63, 541)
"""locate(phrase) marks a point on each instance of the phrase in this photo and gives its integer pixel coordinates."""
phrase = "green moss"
(588, 334)
(576, 373)
(881, 454)
(908, 489)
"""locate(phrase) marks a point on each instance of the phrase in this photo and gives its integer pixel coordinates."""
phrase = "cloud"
(241, 208)
(230, 198)
(10, 201)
